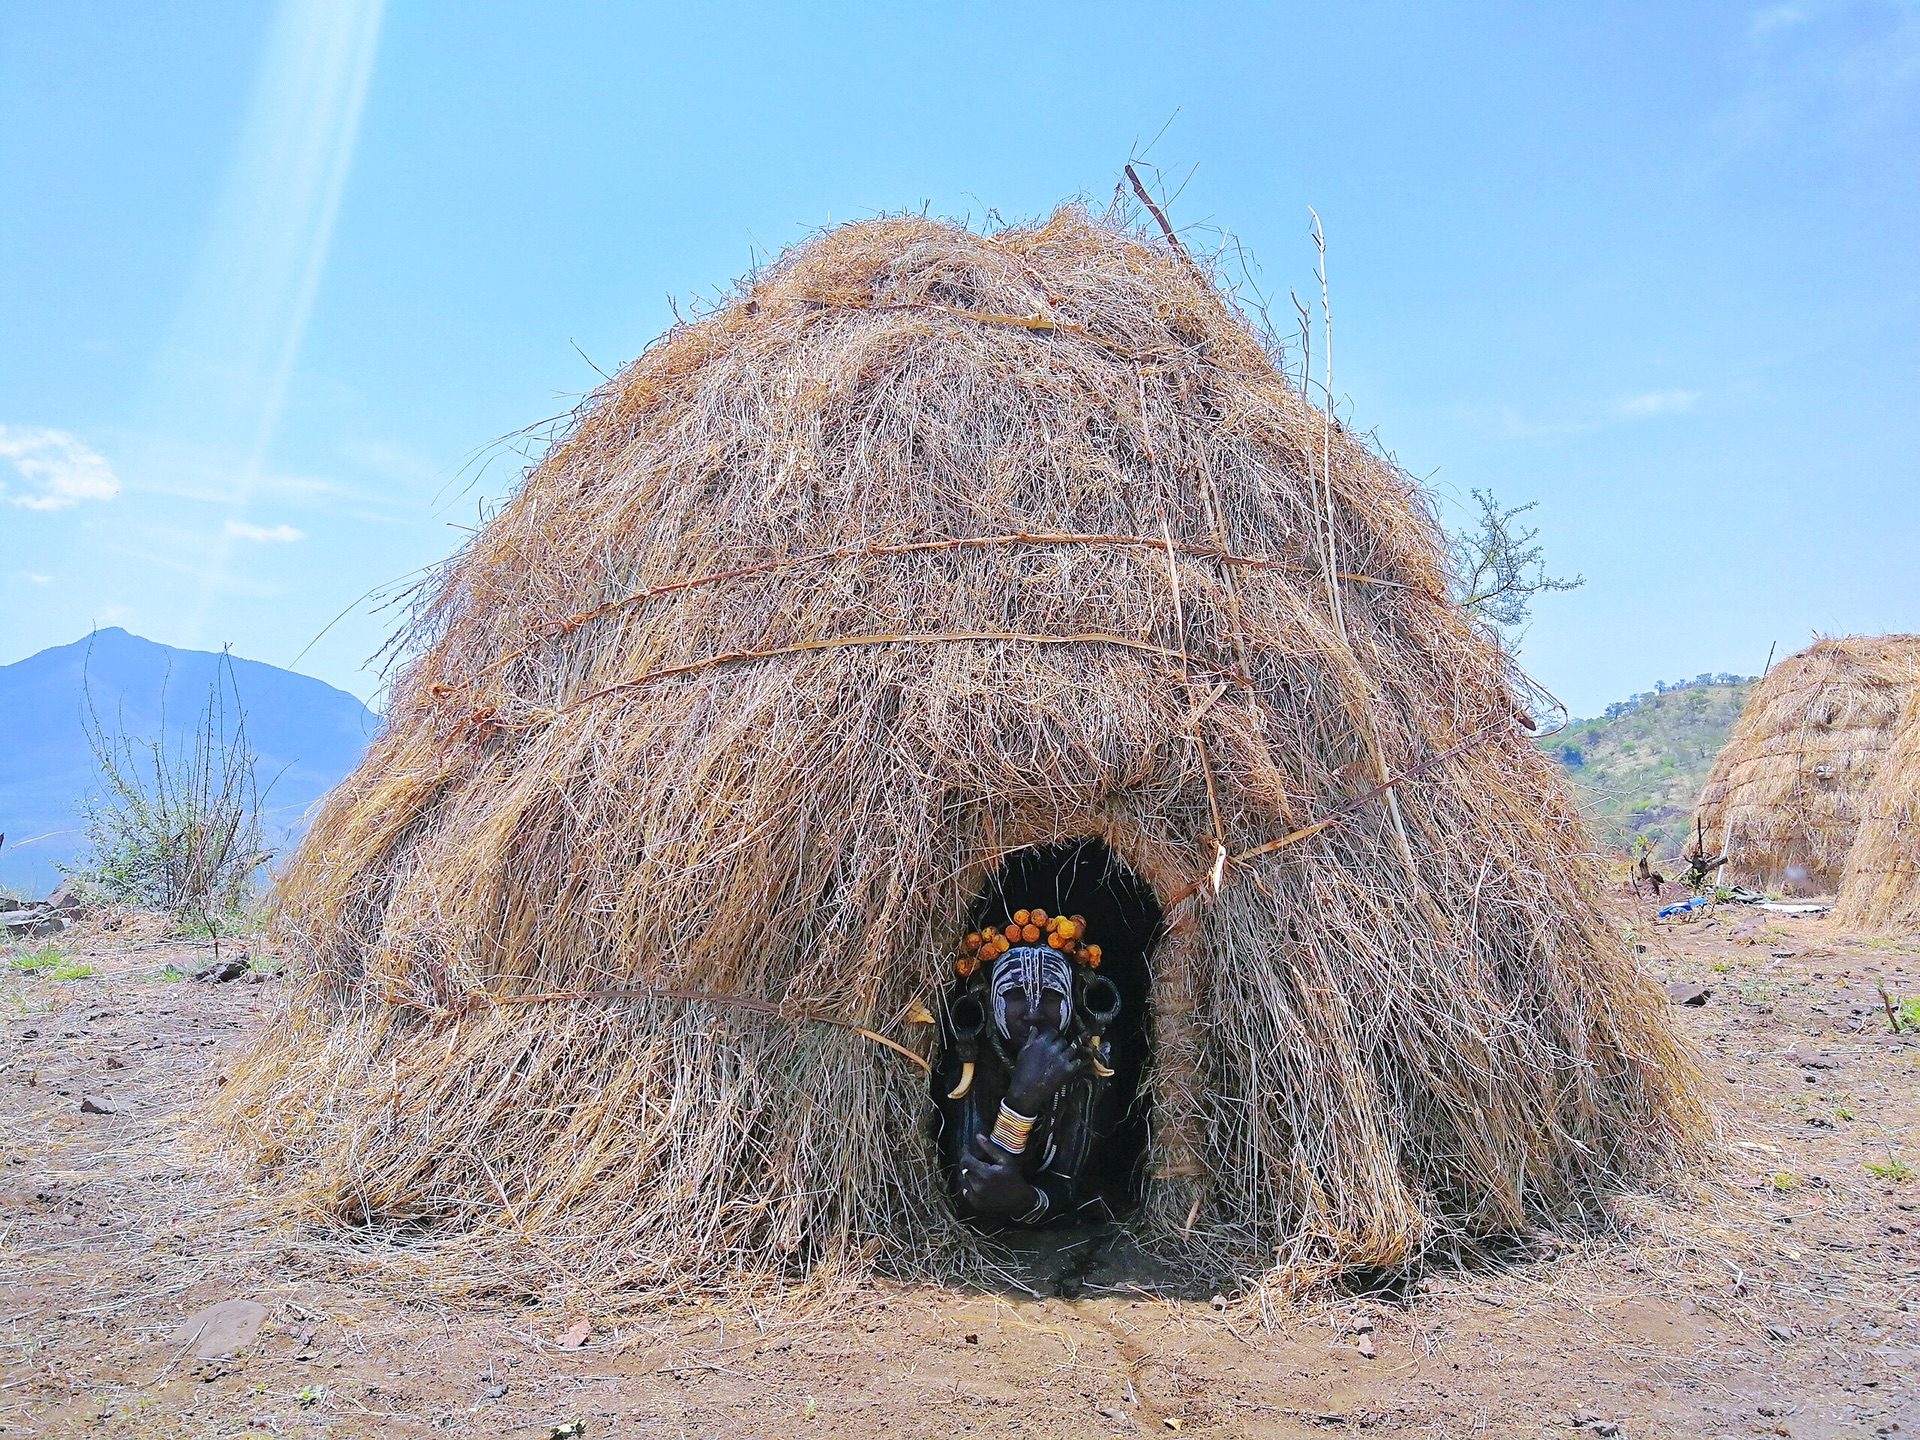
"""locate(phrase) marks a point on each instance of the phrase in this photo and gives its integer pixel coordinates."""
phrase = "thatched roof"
(1785, 793)
(1880, 889)
(924, 547)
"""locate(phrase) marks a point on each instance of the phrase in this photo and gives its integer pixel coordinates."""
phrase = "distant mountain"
(1639, 768)
(307, 734)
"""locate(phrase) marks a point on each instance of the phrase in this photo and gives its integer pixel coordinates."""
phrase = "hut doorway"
(1084, 877)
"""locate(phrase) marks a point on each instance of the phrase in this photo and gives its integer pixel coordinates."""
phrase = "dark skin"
(1045, 1061)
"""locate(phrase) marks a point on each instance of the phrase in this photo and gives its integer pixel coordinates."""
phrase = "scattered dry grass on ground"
(1776, 1293)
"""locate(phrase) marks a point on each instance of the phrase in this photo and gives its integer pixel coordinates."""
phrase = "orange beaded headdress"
(1066, 933)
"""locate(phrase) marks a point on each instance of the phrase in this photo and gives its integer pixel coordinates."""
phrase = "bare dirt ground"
(1776, 1294)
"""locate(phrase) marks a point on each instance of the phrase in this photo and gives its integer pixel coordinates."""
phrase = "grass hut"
(1880, 889)
(1785, 795)
(932, 565)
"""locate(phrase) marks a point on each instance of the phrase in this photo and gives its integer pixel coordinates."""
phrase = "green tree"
(1497, 569)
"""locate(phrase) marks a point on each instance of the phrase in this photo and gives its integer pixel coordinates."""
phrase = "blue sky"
(274, 278)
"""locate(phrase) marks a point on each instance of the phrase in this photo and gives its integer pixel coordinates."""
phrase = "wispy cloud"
(1659, 402)
(1523, 427)
(1769, 18)
(394, 462)
(1594, 416)
(282, 534)
(1823, 70)
(52, 469)
(36, 579)
(186, 555)
(182, 470)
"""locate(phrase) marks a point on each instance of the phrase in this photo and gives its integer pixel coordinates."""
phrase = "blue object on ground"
(1683, 907)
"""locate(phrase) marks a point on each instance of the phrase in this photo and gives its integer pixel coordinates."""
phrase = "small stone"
(1777, 1331)
(98, 1105)
(221, 1329)
(1768, 1409)
(1812, 1059)
(1682, 993)
(1365, 1347)
(1584, 1418)
(1219, 1302)
(1606, 1427)
(493, 1392)
(34, 923)
(220, 971)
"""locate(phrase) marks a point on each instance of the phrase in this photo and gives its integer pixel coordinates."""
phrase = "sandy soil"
(1778, 1294)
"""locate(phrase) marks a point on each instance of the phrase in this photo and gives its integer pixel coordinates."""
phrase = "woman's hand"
(991, 1181)
(1046, 1063)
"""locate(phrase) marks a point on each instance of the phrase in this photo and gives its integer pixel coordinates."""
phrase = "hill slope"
(1639, 768)
(306, 733)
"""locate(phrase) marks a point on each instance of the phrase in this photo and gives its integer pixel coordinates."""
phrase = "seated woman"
(1027, 1107)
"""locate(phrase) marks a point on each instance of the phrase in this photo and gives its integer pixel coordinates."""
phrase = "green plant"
(1907, 1013)
(310, 1395)
(1895, 1169)
(70, 970)
(34, 962)
(176, 826)
(1783, 1181)
(170, 971)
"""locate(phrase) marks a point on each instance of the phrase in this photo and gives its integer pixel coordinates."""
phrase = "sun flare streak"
(223, 383)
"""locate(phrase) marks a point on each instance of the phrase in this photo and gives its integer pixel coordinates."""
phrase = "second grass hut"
(1784, 799)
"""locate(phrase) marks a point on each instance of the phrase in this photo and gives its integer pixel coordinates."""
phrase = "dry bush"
(175, 826)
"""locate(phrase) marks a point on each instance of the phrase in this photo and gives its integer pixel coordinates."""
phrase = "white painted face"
(1040, 979)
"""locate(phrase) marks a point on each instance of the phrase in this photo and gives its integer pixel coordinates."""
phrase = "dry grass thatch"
(923, 547)
(1785, 794)
(1880, 889)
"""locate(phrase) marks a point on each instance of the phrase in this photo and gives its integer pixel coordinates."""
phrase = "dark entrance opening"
(1085, 878)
